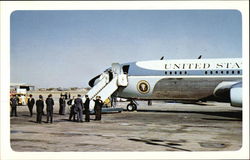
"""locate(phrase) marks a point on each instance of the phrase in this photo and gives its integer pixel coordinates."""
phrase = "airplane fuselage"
(192, 79)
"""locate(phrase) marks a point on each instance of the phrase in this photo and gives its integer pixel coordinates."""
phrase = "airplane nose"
(92, 81)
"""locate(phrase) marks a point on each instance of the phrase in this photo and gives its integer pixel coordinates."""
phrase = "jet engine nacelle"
(230, 91)
(236, 95)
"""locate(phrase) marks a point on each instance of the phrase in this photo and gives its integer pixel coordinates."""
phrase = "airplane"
(199, 79)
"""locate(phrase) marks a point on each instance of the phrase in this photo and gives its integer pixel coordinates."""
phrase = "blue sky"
(68, 48)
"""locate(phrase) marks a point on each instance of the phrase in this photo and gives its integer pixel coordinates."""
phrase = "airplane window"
(216, 72)
(211, 72)
(185, 72)
(238, 72)
(221, 72)
(180, 72)
(166, 72)
(232, 72)
(175, 72)
(205, 72)
(170, 72)
(227, 72)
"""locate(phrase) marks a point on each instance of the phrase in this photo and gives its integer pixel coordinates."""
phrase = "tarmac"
(209, 126)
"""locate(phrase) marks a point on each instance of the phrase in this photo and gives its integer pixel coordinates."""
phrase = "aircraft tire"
(131, 107)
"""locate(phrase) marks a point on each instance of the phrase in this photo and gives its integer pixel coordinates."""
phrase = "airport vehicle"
(21, 94)
(186, 79)
(22, 98)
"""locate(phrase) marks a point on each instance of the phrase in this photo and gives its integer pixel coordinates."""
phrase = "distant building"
(14, 87)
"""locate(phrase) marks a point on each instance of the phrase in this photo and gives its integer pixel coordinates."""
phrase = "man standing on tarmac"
(62, 104)
(78, 107)
(98, 108)
(72, 113)
(39, 109)
(31, 102)
(86, 107)
(13, 104)
(50, 104)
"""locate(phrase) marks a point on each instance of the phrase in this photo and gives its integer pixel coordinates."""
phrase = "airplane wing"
(230, 90)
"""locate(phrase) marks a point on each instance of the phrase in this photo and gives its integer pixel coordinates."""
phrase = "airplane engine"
(236, 95)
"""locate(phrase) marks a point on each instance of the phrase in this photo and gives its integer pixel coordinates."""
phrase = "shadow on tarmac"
(168, 145)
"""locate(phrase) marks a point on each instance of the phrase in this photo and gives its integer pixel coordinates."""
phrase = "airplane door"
(122, 78)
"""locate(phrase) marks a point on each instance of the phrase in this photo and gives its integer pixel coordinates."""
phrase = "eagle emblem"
(143, 86)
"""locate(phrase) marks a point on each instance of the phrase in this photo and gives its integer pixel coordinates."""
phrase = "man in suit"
(39, 109)
(49, 109)
(66, 95)
(13, 104)
(72, 113)
(98, 108)
(78, 108)
(62, 104)
(31, 102)
(86, 107)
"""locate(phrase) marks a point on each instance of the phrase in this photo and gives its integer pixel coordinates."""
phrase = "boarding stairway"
(106, 87)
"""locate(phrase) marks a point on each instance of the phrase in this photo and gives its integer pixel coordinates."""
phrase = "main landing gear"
(131, 106)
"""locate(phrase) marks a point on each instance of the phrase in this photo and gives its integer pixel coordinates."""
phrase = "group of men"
(76, 109)
(66, 95)
(40, 106)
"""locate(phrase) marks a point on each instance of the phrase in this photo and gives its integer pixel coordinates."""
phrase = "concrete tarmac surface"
(209, 126)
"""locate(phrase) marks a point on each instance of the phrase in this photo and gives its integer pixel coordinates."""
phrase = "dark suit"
(72, 113)
(78, 108)
(86, 107)
(98, 109)
(49, 109)
(72, 110)
(13, 103)
(31, 102)
(39, 110)
(62, 106)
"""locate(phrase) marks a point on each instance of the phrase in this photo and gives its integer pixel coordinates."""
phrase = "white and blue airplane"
(218, 79)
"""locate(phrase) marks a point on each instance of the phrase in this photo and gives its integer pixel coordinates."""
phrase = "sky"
(68, 48)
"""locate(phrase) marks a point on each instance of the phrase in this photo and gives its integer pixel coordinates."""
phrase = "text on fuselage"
(203, 66)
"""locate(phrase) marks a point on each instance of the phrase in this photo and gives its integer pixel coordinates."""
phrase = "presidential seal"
(143, 86)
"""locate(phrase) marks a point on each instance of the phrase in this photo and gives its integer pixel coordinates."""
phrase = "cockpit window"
(125, 69)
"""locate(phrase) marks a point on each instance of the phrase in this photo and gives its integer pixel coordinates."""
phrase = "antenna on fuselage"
(162, 58)
(200, 57)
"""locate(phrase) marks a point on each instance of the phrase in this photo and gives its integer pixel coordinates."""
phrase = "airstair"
(107, 86)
